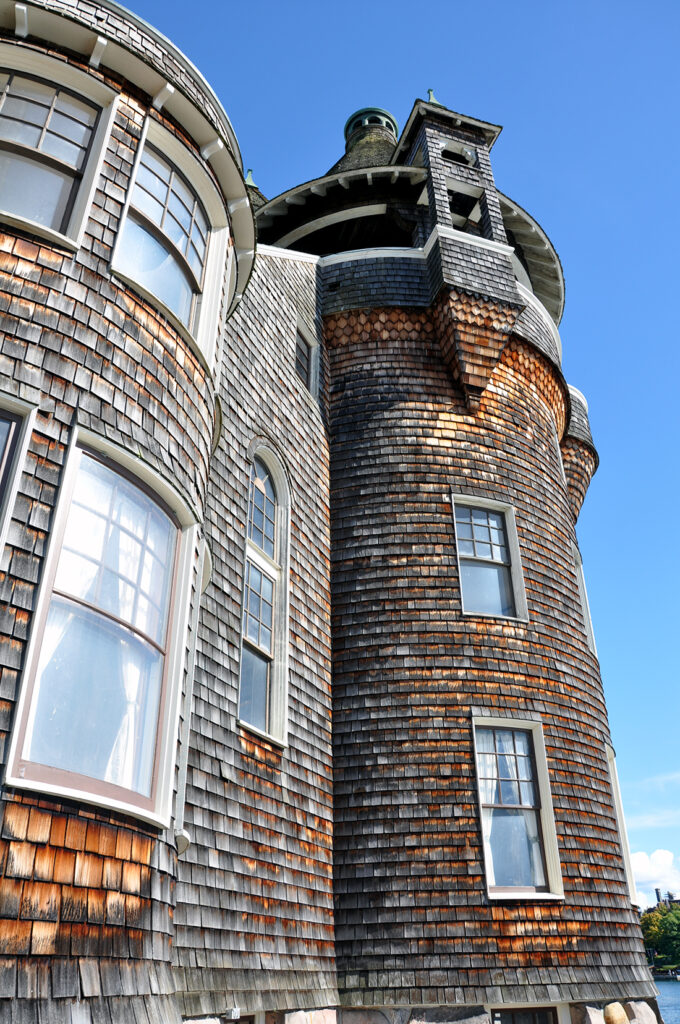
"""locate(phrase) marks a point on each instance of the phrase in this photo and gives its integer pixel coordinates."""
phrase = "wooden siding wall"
(413, 922)
(86, 897)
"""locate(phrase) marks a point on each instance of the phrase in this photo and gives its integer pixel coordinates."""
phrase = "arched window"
(264, 626)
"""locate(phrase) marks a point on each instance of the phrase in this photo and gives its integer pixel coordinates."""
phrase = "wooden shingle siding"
(413, 922)
(254, 924)
(86, 898)
(342, 867)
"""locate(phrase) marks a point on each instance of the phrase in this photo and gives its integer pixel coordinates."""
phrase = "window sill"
(492, 615)
(40, 230)
(164, 311)
(261, 734)
(511, 894)
(134, 810)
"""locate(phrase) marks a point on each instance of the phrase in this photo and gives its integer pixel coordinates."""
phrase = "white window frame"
(551, 856)
(279, 571)
(516, 571)
(18, 771)
(219, 255)
(26, 414)
(314, 353)
(58, 72)
(621, 824)
(585, 604)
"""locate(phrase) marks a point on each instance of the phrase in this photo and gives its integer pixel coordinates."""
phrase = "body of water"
(669, 1000)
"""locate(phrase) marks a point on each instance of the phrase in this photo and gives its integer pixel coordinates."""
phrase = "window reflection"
(97, 691)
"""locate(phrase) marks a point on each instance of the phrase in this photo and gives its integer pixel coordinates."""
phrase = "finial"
(431, 98)
(249, 178)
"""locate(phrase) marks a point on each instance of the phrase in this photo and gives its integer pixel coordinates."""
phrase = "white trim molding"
(621, 824)
(25, 413)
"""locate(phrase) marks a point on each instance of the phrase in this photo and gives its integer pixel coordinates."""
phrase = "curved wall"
(87, 894)
(414, 924)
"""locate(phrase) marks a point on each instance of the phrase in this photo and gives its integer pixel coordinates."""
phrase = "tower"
(301, 704)
(475, 803)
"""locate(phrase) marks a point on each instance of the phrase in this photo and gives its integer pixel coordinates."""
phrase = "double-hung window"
(510, 805)
(164, 239)
(303, 360)
(262, 692)
(518, 829)
(488, 559)
(46, 135)
(94, 709)
(173, 241)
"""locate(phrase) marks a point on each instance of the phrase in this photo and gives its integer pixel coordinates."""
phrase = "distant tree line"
(661, 932)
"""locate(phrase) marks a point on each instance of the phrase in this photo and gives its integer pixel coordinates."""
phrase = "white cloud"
(667, 817)
(656, 781)
(655, 870)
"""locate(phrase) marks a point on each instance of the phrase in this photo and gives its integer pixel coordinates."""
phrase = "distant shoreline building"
(301, 707)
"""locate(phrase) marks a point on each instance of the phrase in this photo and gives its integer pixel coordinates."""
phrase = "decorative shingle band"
(473, 331)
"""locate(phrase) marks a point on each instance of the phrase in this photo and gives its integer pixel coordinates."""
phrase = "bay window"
(45, 139)
(172, 245)
(164, 239)
(94, 710)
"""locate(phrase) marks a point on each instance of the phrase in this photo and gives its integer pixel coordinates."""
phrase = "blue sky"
(588, 97)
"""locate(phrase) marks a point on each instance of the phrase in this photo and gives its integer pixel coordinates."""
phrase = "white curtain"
(120, 769)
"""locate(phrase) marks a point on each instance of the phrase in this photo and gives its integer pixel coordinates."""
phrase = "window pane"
(33, 191)
(19, 131)
(504, 741)
(96, 699)
(262, 513)
(254, 695)
(302, 359)
(105, 558)
(485, 740)
(513, 847)
(509, 792)
(62, 149)
(77, 110)
(487, 588)
(151, 264)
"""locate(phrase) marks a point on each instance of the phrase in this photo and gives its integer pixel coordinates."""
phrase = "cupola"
(370, 139)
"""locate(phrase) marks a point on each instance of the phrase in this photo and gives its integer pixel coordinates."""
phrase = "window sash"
(38, 161)
(262, 510)
(117, 786)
